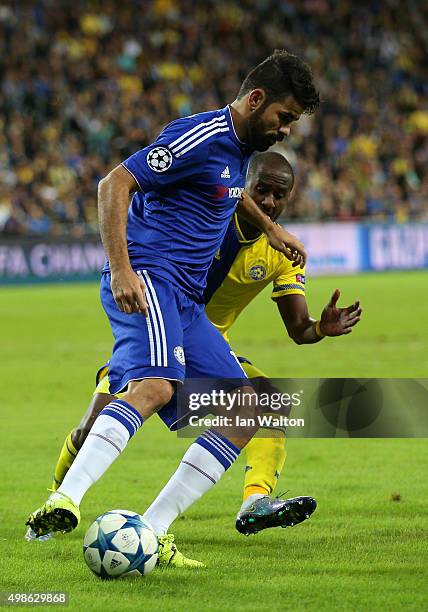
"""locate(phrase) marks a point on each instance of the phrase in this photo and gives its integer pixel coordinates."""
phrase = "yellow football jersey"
(241, 269)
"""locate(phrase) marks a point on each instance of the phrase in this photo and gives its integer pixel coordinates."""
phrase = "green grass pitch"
(359, 551)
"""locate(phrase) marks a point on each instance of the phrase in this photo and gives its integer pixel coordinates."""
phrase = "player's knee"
(149, 395)
(158, 393)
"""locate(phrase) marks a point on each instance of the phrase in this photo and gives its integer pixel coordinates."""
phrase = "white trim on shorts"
(121, 390)
(151, 291)
(155, 324)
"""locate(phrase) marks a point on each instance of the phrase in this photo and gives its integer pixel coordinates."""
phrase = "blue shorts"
(176, 340)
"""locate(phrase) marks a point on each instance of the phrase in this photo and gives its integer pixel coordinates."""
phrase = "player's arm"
(303, 329)
(113, 203)
(279, 238)
(153, 167)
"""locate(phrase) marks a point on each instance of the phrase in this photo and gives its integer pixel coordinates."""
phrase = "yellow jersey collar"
(240, 233)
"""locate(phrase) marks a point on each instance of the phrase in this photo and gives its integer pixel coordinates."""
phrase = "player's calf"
(74, 441)
(99, 402)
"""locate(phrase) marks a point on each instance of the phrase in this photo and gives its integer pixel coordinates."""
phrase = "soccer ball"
(120, 543)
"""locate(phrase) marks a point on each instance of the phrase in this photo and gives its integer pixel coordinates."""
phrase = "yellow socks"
(265, 456)
(265, 460)
(66, 457)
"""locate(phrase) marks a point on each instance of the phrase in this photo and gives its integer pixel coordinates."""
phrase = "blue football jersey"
(190, 180)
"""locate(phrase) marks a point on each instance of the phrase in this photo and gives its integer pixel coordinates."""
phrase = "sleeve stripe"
(288, 286)
(195, 129)
(132, 174)
(194, 144)
(176, 148)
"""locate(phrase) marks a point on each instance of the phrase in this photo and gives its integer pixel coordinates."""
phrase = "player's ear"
(256, 98)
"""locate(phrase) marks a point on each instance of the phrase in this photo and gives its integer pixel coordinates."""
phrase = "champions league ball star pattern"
(159, 159)
(118, 543)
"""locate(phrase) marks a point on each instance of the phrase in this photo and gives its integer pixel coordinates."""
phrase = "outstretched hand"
(338, 321)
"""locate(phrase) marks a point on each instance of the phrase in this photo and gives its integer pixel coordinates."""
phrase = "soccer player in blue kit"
(185, 189)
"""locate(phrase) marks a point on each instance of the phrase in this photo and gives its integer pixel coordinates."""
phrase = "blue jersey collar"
(232, 132)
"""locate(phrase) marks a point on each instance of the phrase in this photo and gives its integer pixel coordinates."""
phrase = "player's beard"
(258, 139)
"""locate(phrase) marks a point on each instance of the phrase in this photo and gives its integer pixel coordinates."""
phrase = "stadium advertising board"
(333, 248)
(50, 260)
(345, 248)
(394, 247)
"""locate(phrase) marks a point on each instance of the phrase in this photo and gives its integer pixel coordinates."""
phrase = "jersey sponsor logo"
(257, 272)
(235, 192)
(301, 278)
(179, 355)
(159, 159)
(231, 192)
(225, 173)
(221, 191)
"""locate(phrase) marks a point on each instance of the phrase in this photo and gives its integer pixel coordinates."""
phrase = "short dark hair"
(273, 160)
(283, 74)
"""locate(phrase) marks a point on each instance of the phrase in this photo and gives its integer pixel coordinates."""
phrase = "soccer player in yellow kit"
(244, 266)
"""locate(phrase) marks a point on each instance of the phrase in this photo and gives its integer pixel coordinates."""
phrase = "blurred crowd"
(83, 84)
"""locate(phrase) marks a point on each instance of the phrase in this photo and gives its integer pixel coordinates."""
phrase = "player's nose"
(269, 202)
(285, 131)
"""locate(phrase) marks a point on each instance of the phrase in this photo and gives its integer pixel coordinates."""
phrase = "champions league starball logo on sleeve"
(159, 159)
